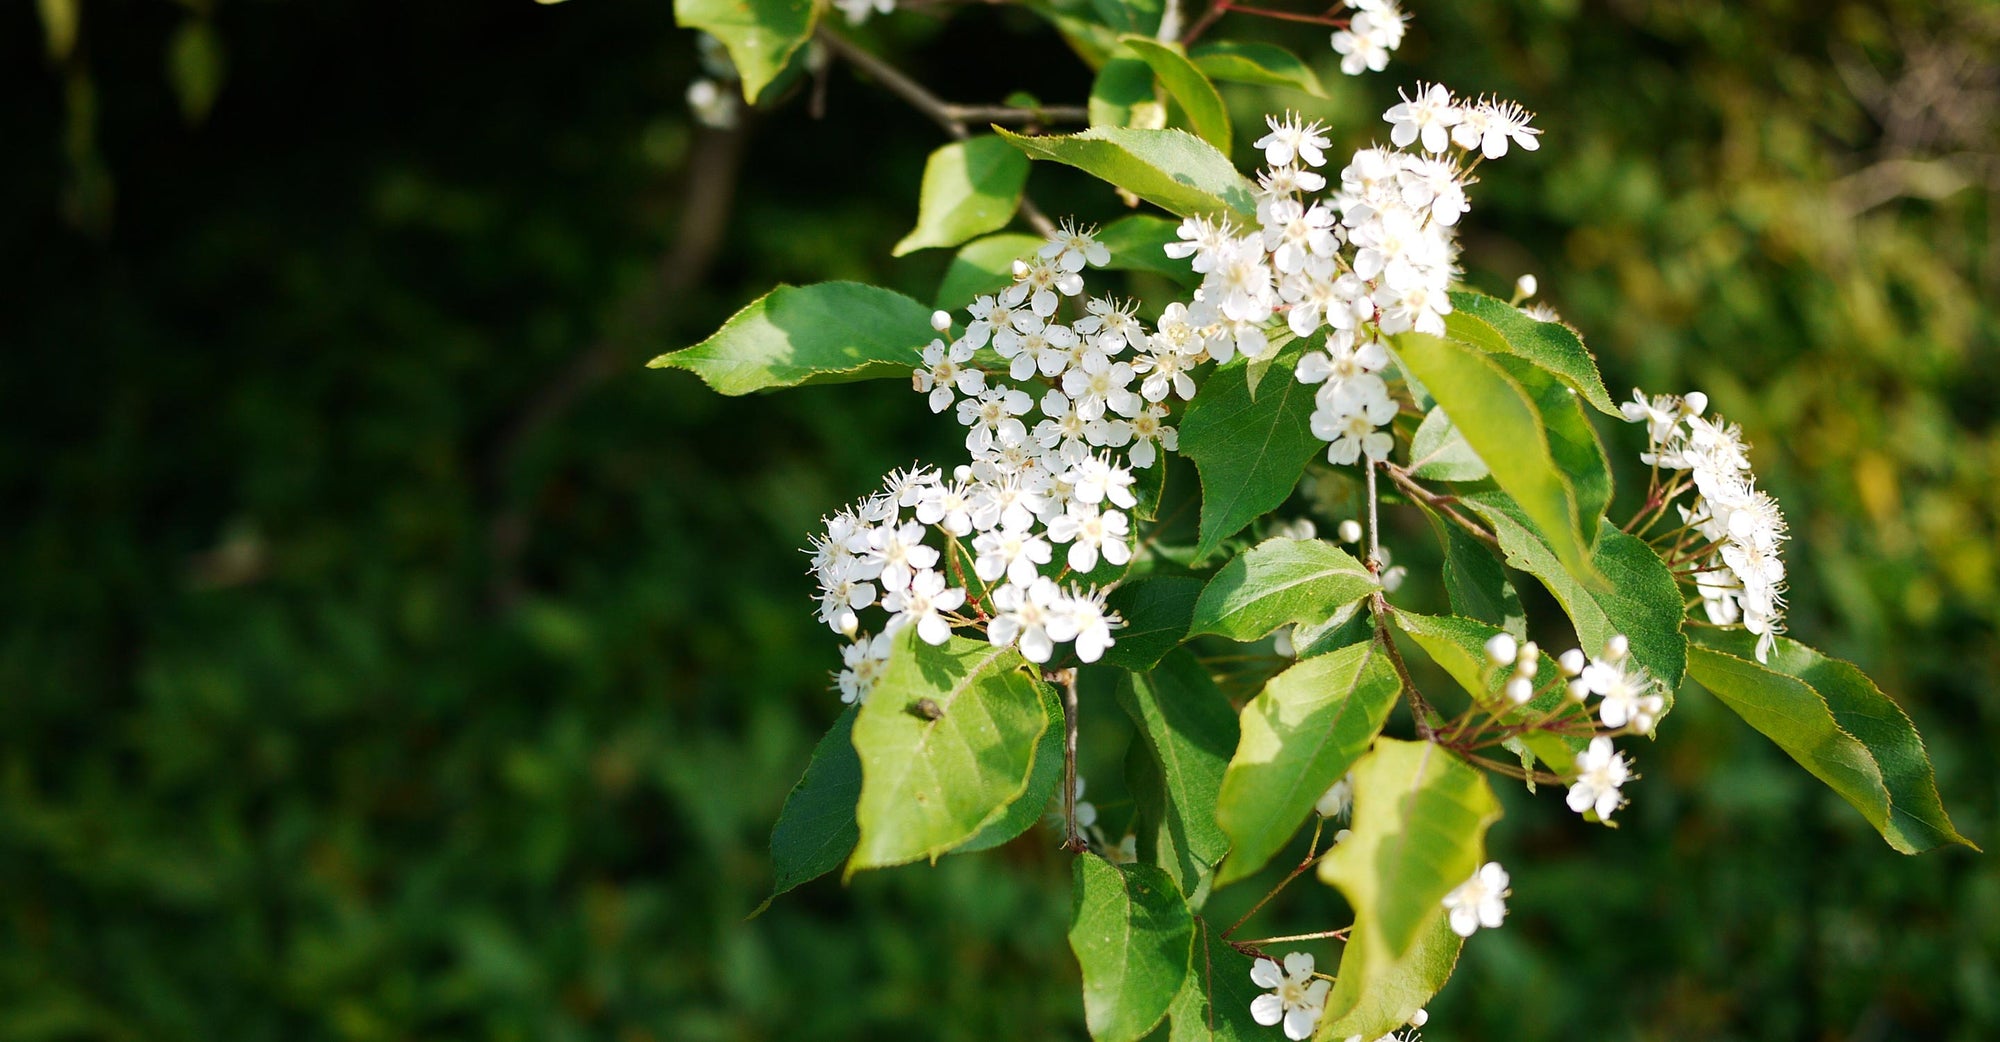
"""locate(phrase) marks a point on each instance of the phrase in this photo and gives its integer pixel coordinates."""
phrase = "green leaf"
(1257, 63)
(1837, 724)
(1121, 85)
(1189, 86)
(1531, 432)
(1129, 16)
(1420, 820)
(829, 332)
(1214, 1004)
(761, 35)
(1551, 345)
(1132, 935)
(1639, 597)
(1157, 610)
(970, 188)
(1276, 582)
(1189, 729)
(1375, 994)
(816, 830)
(1251, 448)
(1439, 453)
(1138, 243)
(983, 266)
(1300, 735)
(1169, 168)
(929, 785)
(1477, 584)
(1044, 781)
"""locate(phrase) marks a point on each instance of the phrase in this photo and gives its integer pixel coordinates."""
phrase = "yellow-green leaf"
(970, 188)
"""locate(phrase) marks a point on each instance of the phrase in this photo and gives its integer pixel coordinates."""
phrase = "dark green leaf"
(970, 188)
(1837, 724)
(1259, 63)
(1300, 735)
(1137, 243)
(816, 830)
(1477, 583)
(1132, 935)
(1214, 1004)
(1251, 448)
(1169, 168)
(761, 35)
(929, 785)
(1189, 730)
(1639, 597)
(830, 332)
(1278, 582)
(1157, 610)
(1551, 345)
(1188, 86)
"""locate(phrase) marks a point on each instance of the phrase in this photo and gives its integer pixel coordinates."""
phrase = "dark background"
(385, 654)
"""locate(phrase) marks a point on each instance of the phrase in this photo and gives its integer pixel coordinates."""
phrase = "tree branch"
(919, 97)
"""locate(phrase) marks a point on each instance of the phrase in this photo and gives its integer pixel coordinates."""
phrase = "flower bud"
(940, 320)
(1529, 660)
(1393, 578)
(1020, 269)
(1617, 648)
(1281, 644)
(1571, 662)
(1350, 531)
(1577, 690)
(1525, 286)
(1501, 648)
(1695, 403)
(1423, 1016)
(1520, 689)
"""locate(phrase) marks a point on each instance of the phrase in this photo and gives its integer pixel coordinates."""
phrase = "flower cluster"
(1373, 256)
(1737, 566)
(1630, 701)
(1374, 30)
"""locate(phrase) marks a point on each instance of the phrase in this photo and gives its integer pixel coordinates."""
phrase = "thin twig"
(1419, 708)
(1017, 114)
(1072, 839)
(1440, 504)
(1318, 936)
(919, 97)
(1312, 855)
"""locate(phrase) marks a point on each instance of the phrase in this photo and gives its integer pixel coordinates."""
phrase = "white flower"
(1349, 418)
(993, 418)
(1097, 480)
(1489, 125)
(921, 604)
(1501, 649)
(1081, 617)
(1599, 773)
(1631, 695)
(1010, 552)
(1071, 246)
(897, 551)
(865, 659)
(1429, 116)
(1296, 997)
(1338, 799)
(1148, 430)
(948, 505)
(1090, 534)
(1086, 813)
(944, 369)
(1101, 383)
(1022, 616)
(1292, 138)
(1479, 901)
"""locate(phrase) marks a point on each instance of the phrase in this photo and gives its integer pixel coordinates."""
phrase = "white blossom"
(1599, 774)
(1297, 998)
(1479, 901)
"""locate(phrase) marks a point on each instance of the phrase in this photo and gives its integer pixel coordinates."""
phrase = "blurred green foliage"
(385, 655)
